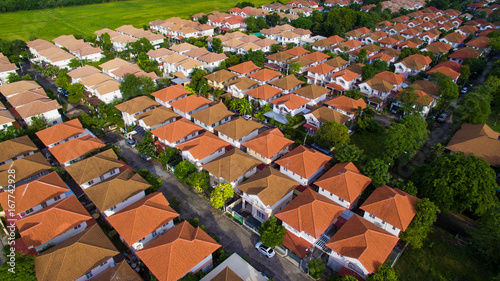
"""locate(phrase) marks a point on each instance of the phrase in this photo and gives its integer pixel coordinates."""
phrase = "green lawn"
(50, 23)
(371, 143)
(442, 258)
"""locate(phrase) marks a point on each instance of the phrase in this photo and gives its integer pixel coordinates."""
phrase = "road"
(233, 237)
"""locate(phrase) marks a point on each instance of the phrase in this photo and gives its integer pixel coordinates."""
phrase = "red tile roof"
(291, 101)
(264, 75)
(75, 148)
(346, 104)
(176, 130)
(304, 161)
(203, 145)
(296, 244)
(264, 92)
(244, 67)
(190, 103)
(268, 143)
(60, 132)
(170, 93)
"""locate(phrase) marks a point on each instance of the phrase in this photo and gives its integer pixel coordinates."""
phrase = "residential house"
(438, 48)
(390, 209)
(54, 224)
(289, 104)
(452, 74)
(74, 150)
(6, 118)
(212, 116)
(481, 43)
(264, 94)
(238, 131)
(113, 64)
(62, 133)
(279, 59)
(6, 68)
(314, 93)
(430, 36)
(91, 248)
(462, 54)
(378, 89)
(413, 64)
(337, 63)
(234, 268)
(320, 115)
(16, 148)
(343, 80)
(174, 244)
(346, 105)
(479, 140)
(303, 164)
(267, 192)
(244, 68)
(155, 118)
(189, 105)
(287, 84)
(268, 146)
(26, 169)
(95, 169)
(240, 86)
(264, 76)
(343, 184)
(220, 78)
(136, 106)
(170, 94)
(397, 80)
(120, 271)
(318, 74)
(144, 220)
(176, 132)
(203, 148)
(454, 39)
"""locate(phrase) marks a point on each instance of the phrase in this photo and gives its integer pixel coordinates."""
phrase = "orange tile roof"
(244, 67)
(52, 221)
(190, 103)
(142, 217)
(75, 148)
(170, 93)
(268, 143)
(310, 212)
(321, 68)
(264, 92)
(480, 42)
(264, 75)
(392, 205)
(345, 181)
(346, 74)
(297, 51)
(177, 130)
(203, 145)
(364, 241)
(335, 39)
(120, 272)
(316, 56)
(391, 77)
(455, 37)
(446, 71)
(60, 132)
(296, 244)
(181, 249)
(304, 161)
(36, 192)
(291, 101)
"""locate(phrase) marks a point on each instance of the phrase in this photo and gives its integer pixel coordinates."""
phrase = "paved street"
(232, 236)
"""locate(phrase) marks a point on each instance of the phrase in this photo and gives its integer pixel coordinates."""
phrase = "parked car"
(266, 251)
(443, 116)
(464, 90)
(145, 157)
(247, 117)
(130, 142)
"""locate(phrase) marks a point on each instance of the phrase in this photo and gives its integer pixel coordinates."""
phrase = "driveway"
(233, 237)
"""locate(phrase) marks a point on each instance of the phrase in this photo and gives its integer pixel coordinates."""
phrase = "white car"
(266, 251)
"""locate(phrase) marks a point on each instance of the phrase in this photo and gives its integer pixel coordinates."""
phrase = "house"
(390, 209)
(34, 196)
(318, 74)
(16, 148)
(337, 63)
(189, 105)
(234, 268)
(95, 169)
(120, 271)
(359, 248)
(212, 116)
(343, 184)
(462, 54)
(397, 80)
(220, 78)
(238, 131)
(452, 74)
(74, 150)
(113, 64)
(62, 133)
(174, 244)
(343, 80)
(142, 221)
(212, 60)
(91, 248)
(268, 146)
(240, 86)
(481, 43)
(438, 48)
(136, 106)
(263, 94)
(280, 59)
(413, 64)
(314, 93)
(155, 118)
(116, 193)
(27, 168)
(289, 104)
(6, 68)
(477, 139)
(346, 105)
(176, 132)
(170, 94)
(6, 118)
(231, 167)
(244, 68)
(306, 219)
(267, 192)
(320, 115)
(303, 164)
(454, 39)
(203, 148)
(264, 76)
(54, 224)
(376, 87)
(430, 87)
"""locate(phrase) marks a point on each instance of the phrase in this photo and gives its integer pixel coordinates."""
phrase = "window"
(54, 122)
(341, 200)
(383, 222)
(153, 233)
(77, 227)
(44, 204)
(112, 172)
(112, 208)
(102, 264)
(88, 275)
(30, 210)
(372, 216)
(57, 197)
(260, 214)
(91, 182)
(394, 228)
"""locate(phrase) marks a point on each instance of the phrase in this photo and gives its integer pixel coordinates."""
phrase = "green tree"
(220, 194)
(50, 71)
(384, 273)
(294, 68)
(75, 91)
(217, 45)
(133, 86)
(198, 180)
(331, 134)
(63, 79)
(272, 233)
(203, 19)
(354, 94)
(146, 64)
(255, 24)
(448, 92)
(421, 225)
(275, 48)
(142, 45)
(487, 236)
(316, 268)
(458, 183)
(362, 56)
(258, 57)
(378, 171)
(183, 170)
(198, 82)
(167, 155)
(302, 22)
(402, 140)
(273, 19)
(244, 4)
(474, 108)
(349, 153)
(74, 63)
(146, 146)
(154, 181)
(14, 77)
(24, 269)
(408, 98)
(408, 187)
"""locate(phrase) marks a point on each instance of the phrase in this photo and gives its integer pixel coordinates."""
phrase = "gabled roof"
(25, 167)
(190, 103)
(311, 213)
(291, 101)
(75, 256)
(94, 166)
(465, 53)
(203, 145)
(238, 128)
(183, 47)
(75, 148)
(227, 274)
(264, 92)
(60, 132)
(322, 68)
(264, 75)
(346, 74)
(429, 87)
(220, 76)
(450, 64)
(379, 85)
(312, 91)
(269, 185)
(231, 165)
(142, 217)
(114, 190)
(268, 143)
(337, 62)
(345, 181)
(212, 114)
(446, 71)
(346, 104)
(392, 205)
(287, 82)
(137, 104)
(176, 130)
(56, 219)
(244, 67)
(480, 42)
(335, 39)
(280, 56)
(16, 147)
(170, 93)
(84, 71)
(477, 139)
(181, 249)
(364, 241)
(34, 193)
(324, 114)
(9, 89)
(157, 116)
(455, 37)
(391, 77)
(297, 51)
(303, 161)
(119, 272)
(316, 56)
(37, 107)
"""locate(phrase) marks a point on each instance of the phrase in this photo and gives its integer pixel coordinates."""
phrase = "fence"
(239, 218)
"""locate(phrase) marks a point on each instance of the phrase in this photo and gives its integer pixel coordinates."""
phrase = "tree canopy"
(371, 69)
(384, 273)
(24, 269)
(421, 225)
(331, 134)
(75, 91)
(378, 171)
(220, 194)
(349, 153)
(474, 108)
(402, 140)
(272, 233)
(183, 170)
(133, 86)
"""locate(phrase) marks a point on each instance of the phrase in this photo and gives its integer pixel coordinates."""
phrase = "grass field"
(50, 23)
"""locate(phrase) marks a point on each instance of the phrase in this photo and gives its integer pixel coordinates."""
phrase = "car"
(145, 157)
(266, 251)
(464, 90)
(247, 117)
(130, 142)
(443, 116)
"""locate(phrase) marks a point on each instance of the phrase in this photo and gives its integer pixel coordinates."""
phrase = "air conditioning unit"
(139, 246)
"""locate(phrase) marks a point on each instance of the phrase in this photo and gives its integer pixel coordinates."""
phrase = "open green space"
(442, 258)
(494, 117)
(50, 23)
(370, 142)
